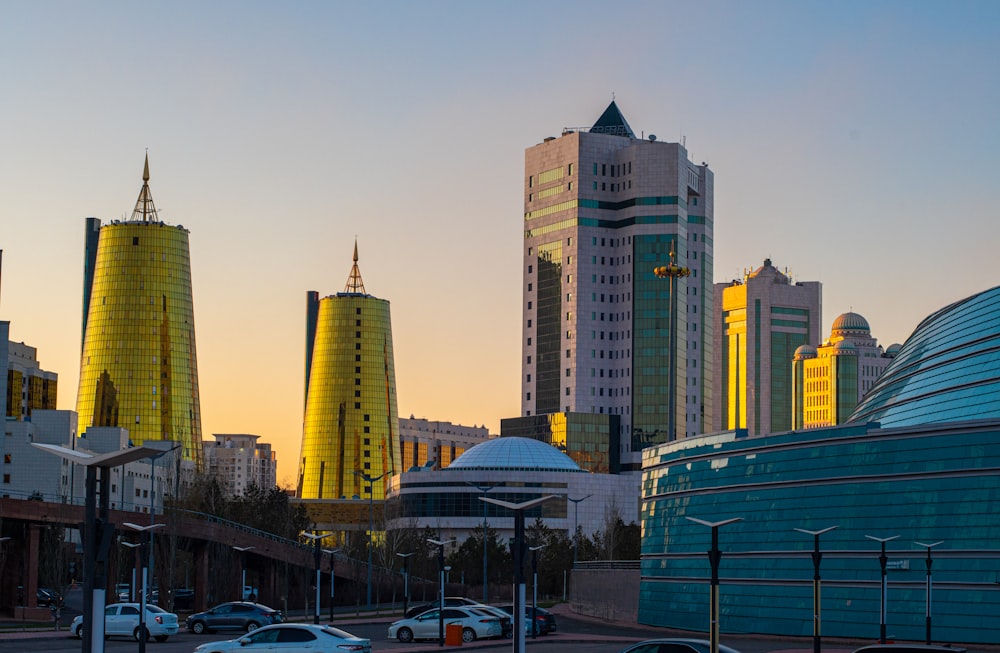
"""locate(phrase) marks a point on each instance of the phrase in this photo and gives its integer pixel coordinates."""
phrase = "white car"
(297, 637)
(475, 625)
(122, 620)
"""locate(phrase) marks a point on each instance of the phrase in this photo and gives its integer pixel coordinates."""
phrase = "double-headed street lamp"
(930, 587)
(714, 557)
(98, 531)
(672, 272)
(518, 549)
(534, 588)
(406, 580)
(484, 489)
(883, 561)
(371, 523)
(816, 558)
(576, 521)
(333, 577)
(243, 567)
(440, 544)
(148, 530)
(316, 537)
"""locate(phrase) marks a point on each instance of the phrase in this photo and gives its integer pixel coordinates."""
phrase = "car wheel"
(198, 628)
(252, 626)
(404, 635)
(161, 638)
(79, 632)
(139, 632)
(468, 635)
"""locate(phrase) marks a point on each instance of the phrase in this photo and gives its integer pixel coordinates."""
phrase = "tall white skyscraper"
(601, 332)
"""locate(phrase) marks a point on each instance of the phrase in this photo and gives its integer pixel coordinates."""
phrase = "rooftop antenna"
(145, 210)
(354, 283)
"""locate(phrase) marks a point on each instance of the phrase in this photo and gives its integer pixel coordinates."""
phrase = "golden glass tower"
(351, 426)
(138, 364)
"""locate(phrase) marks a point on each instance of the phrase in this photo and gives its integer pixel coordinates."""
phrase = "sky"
(854, 143)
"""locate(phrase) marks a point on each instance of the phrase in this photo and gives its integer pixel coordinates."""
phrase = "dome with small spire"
(850, 323)
(805, 351)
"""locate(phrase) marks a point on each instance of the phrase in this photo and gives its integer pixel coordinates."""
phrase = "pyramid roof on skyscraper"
(612, 122)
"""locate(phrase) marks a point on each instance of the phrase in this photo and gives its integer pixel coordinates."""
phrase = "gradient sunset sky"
(854, 143)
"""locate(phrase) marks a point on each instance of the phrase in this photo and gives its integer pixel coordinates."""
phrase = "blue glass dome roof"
(523, 454)
(948, 370)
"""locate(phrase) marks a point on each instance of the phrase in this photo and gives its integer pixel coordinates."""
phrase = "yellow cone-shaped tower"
(351, 427)
(138, 365)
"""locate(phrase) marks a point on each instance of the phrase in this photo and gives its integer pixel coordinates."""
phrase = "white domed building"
(830, 380)
(516, 470)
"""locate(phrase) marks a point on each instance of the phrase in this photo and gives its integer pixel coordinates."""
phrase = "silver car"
(122, 620)
(475, 625)
(297, 637)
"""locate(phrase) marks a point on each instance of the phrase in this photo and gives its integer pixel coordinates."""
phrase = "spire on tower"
(145, 210)
(354, 283)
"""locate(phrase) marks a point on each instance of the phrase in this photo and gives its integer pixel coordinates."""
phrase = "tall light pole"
(576, 522)
(518, 546)
(315, 538)
(406, 581)
(148, 531)
(484, 489)
(672, 272)
(243, 567)
(816, 558)
(534, 587)
(371, 523)
(883, 560)
(98, 531)
(333, 577)
(714, 557)
(440, 544)
(930, 586)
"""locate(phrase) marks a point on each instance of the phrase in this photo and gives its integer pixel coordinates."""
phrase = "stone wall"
(611, 593)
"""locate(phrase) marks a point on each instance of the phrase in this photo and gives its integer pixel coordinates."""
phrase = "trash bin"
(453, 634)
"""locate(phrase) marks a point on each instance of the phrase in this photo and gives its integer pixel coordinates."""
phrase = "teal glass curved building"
(919, 460)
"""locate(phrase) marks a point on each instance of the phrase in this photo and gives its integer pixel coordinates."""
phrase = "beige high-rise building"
(240, 461)
(760, 321)
(602, 334)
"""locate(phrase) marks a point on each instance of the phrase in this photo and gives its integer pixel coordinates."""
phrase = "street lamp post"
(440, 544)
(484, 489)
(576, 521)
(406, 581)
(518, 546)
(316, 537)
(714, 557)
(672, 272)
(534, 588)
(370, 480)
(243, 567)
(148, 531)
(816, 558)
(883, 560)
(333, 578)
(930, 587)
(98, 531)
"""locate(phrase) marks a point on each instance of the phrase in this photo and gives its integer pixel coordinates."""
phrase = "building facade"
(760, 321)
(916, 462)
(584, 437)
(239, 461)
(428, 444)
(139, 364)
(29, 387)
(830, 380)
(351, 425)
(602, 334)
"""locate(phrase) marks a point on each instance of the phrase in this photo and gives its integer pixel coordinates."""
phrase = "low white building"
(516, 470)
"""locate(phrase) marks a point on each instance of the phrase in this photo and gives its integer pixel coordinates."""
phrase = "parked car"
(183, 598)
(475, 625)
(236, 615)
(543, 621)
(675, 646)
(301, 637)
(123, 592)
(122, 620)
(46, 598)
(506, 620)
(449, 602)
